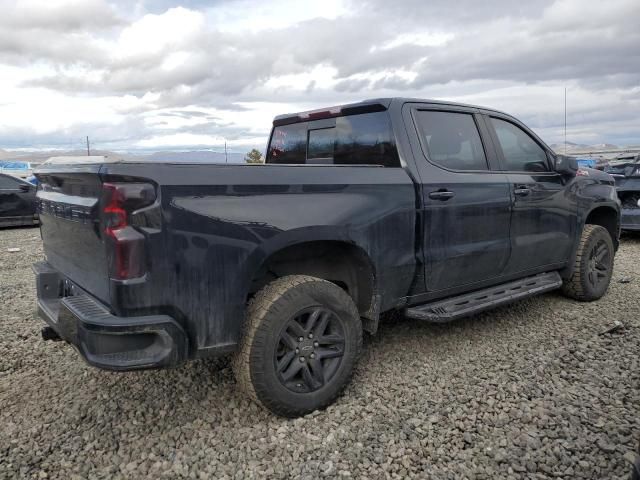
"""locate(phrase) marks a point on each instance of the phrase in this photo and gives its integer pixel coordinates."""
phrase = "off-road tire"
(578, 285)
(267, 315)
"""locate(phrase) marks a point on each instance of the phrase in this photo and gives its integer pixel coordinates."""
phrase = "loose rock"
(526, 391)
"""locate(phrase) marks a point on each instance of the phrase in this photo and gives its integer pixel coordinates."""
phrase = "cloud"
(547, 47)
(63, 33)
(243, 60)
(58, 16)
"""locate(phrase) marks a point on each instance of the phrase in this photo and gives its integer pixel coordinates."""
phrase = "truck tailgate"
(68, 205)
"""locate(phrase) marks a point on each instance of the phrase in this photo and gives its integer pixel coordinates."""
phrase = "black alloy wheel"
(599, 265)
(310, 349)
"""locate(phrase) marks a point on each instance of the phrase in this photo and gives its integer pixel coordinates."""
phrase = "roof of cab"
(375, 104)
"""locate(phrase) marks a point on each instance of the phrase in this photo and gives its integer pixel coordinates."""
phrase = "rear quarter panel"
(220, 223)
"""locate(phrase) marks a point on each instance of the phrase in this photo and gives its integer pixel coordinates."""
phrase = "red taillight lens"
(126, 255)
(115, 215)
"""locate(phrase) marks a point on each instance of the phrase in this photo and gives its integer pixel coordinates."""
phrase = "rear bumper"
(105, 340)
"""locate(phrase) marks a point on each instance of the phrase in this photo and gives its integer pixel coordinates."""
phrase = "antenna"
(565, 120)
(88, 150)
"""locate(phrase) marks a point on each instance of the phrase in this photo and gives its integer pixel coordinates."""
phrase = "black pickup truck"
(436, 209)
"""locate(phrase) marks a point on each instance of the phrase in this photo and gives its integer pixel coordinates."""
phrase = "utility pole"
(226, 160)
(88, 150)
(565, 120)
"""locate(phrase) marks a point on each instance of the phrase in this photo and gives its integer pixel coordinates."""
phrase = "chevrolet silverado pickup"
(436, 209)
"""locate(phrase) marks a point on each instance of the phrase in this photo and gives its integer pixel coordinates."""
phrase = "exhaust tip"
(49, 333)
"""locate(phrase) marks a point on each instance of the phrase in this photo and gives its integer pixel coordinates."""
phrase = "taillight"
(126, 253)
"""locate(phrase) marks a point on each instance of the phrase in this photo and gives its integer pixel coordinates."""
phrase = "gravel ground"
(527, 391)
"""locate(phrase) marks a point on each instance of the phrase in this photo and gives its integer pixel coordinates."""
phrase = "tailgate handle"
(443, 195)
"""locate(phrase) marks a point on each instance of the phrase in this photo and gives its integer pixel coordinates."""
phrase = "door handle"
(522, 190)
(443, 195)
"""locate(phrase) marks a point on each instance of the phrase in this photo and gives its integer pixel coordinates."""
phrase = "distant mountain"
(605, 146)
(5, 155)
(579, 147)
(559, 147)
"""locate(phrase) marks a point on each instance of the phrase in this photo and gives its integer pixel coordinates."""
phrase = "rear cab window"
(360, 139)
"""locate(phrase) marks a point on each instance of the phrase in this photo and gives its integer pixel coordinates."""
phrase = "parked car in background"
(17, 202)
(17, 169)
(32, 180)
(438, 209)
(625, 169)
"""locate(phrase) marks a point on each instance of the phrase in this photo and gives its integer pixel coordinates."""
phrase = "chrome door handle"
(522, 191)
(443, 195)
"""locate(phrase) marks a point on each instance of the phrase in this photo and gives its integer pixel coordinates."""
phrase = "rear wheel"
(593, 267)
(302, 338)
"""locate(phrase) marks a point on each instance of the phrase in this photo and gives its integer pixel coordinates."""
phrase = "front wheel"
(593, 266)
(301, 342)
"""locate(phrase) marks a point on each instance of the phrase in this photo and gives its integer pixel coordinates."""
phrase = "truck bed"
(212, 226)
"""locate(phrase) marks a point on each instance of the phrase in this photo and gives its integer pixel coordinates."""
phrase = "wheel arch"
(608, 217)
(339, 261)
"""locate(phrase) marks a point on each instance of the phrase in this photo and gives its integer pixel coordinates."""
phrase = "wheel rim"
(599, 264)
(310, 350)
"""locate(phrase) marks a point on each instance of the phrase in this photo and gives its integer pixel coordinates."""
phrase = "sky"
(171, 75)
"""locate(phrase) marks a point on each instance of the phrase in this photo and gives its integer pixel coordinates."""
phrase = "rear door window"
(451, 139)
(363, 139)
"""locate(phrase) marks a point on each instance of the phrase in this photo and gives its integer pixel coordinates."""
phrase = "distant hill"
(606, 151)
(580, 147)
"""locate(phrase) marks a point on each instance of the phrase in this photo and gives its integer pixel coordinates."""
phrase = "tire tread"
(573, 287)
(258, 308)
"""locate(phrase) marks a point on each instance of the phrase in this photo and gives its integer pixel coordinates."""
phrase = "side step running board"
(480, 300)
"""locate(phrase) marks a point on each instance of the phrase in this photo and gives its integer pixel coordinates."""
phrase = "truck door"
(543, 218)
(465, 202)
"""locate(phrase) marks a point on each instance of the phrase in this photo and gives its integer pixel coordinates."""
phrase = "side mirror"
(565, 165)
(24, 188)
